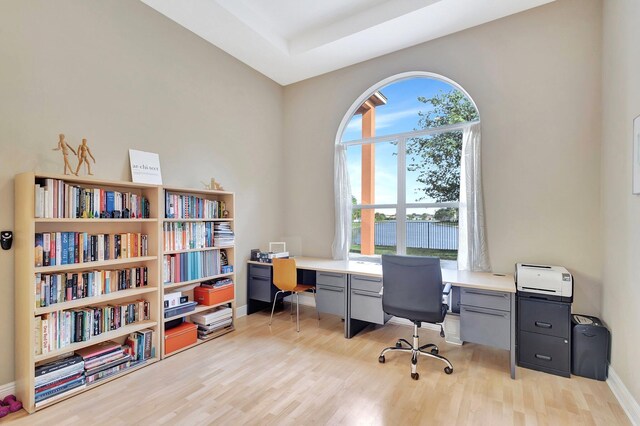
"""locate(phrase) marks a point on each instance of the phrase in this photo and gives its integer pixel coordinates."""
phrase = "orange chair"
(286, 279)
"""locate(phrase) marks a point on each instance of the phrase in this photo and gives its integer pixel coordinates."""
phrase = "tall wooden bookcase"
(26, 226)
(187, 287)
(26, 312)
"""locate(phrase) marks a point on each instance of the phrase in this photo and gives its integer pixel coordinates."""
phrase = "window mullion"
(401, 212)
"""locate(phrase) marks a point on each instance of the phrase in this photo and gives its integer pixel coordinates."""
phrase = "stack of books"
(103, 360)
(59, 378)
(140, 345)
(211, 321)
(223, 234)
(179, 206)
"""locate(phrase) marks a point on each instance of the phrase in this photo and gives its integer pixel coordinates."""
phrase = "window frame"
(401, 205)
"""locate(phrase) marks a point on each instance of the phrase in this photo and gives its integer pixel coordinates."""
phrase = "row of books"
(179, 206)
(189, 235)
(56, 288)
(65, 248)
(190, 266)
(58, 329)
(62, 377)
(223, 234)
(55, 198)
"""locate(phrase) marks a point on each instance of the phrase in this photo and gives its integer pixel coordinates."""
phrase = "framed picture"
(636, 155)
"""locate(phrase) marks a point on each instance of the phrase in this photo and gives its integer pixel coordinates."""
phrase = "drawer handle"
(495, 314)
(543, 357)
(260, 278)
(491, 294)
(324, 274)
(336, 290)
(367, 293)
(371, 280)
(542, 324)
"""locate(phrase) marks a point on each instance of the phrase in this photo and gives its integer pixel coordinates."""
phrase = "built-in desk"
(351, 289)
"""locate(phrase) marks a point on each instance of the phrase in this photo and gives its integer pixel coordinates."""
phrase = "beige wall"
(535, 77)
(621, 209)
(124, 76)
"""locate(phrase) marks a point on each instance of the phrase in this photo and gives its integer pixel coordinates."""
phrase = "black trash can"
(590, 347)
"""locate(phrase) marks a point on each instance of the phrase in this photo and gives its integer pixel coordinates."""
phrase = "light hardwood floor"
(258, 375)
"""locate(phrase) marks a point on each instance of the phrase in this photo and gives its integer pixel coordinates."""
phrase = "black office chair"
(412, 289)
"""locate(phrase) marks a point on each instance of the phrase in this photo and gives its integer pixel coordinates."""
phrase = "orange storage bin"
(213, 296)
(180, 337)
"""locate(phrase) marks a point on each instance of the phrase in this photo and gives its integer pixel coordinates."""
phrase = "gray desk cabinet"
(260, 283)
(485, 317)
(366, 300)
(331, 293)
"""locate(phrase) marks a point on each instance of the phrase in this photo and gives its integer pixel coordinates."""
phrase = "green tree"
(355, 213)
(437, 158)
(379, 217)
(446, 215)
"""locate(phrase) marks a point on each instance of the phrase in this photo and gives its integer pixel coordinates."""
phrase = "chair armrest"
(446, 288)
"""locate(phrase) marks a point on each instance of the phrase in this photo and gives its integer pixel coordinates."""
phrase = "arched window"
(402, 142)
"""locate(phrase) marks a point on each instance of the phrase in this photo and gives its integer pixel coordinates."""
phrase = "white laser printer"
(544, 281)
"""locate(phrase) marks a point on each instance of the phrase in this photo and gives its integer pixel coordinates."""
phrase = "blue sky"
(399, 115)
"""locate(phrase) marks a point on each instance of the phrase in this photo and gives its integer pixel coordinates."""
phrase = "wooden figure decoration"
(213, 185)
(83, 150)
(62, 146)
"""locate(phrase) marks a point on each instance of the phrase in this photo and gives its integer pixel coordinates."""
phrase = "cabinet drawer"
(331, 299)
(485, 326)
(260, 270)
(485, 299)
(260, 288)
(363, 282)
(367, 306)
(544, 353)
(544, 317)
(331, 278)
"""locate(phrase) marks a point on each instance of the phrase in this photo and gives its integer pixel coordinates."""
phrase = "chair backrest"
(284, 274)
(412, 287)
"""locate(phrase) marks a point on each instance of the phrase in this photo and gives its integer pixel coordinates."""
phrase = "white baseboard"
(241, 311)
(624, 397)
(8, 389)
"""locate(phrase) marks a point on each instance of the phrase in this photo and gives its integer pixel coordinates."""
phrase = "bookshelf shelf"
(87, 221)
(198, 281)
(201, 341)
(89, 301)
(191, 250)
(109, 335)
(101, 382)
(220, 219)
(220, 207)
(94, 265)
(197, 310)
(85, 193)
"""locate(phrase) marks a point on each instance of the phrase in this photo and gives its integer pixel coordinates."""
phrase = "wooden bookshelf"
(187, 287)
(27, 225)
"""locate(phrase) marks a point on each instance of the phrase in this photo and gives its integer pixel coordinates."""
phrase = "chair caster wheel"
(435, 351)
(448, 370)
(398, 345)
(415, 376)
(381, 359)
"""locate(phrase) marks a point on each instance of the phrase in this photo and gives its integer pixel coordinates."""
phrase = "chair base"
(416, 350)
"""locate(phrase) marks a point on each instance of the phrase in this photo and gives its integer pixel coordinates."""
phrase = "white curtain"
(342, 194)
(473, 252)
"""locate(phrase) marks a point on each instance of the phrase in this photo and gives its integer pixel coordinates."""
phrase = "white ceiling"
(291, 40)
